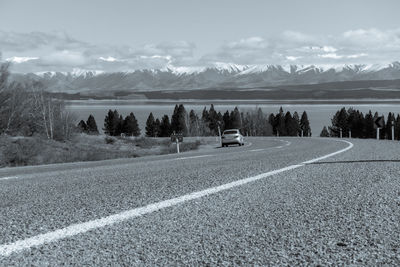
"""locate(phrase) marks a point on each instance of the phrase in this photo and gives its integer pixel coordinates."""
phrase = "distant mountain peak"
(219, 75)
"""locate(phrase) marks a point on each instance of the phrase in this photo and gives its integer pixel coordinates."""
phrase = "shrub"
(109, 140)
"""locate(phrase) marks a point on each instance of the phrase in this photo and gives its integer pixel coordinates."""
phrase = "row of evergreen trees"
(210, 123)
(251, 123)
(115, 124)
(288, 125)
(360, 125)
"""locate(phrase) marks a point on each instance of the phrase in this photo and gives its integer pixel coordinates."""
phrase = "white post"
(302, 133)
(177, 145)
(340, 132)
(349, 133)
(277, 133)
(392, 130)
(377, 133)
(219, 133)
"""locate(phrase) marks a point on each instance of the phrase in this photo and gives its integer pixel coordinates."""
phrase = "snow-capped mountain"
(219, 76)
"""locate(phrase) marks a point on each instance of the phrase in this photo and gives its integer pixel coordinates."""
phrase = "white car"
(232, 136)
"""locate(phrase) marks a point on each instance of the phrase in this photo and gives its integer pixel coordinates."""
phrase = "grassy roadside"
(24, 151)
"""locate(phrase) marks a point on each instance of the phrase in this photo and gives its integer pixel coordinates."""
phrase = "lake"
(319, 114)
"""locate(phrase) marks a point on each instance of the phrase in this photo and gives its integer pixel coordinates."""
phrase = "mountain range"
(221, 76)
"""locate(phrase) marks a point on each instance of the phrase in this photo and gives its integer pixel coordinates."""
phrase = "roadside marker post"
(178, 138)
(392, 130)
(349, 133)
(378, 124)
(219, 134)
(340, 132)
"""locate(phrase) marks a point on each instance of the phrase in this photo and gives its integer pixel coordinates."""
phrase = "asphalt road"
(343, 209)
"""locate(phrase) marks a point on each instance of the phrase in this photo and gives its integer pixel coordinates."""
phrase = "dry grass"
(22, 151)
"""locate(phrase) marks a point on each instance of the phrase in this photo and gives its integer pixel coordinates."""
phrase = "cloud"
(331, 55)
(289, 47)
(109, 59)
(20, 59)
(57, 51)
(250, 50)
(292, 58)
(357, 55)
(12, 41)
(65, 57)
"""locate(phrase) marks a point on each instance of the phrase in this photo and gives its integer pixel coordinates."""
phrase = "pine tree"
(259, 122)
(157, 125)
(339, 122)
(272, 121)
(397, 128)
(213, 120)
(226, 121)
(382, 131)
(235, 117)
(150, 126)
(194, 125)
(130, 125)
(82, 127)
(92, 125)
(280, 123)
(246, 124)
(204, 123)
(369, 131)
(120, 126)
(305, 124)
(324, 132)
(388, 127)
(358, 125)
(179, 119)
(351, 121)
(205, 116)
(291, 127)
(111, 123)
(220, 121)
(165, 127)
(296, 121)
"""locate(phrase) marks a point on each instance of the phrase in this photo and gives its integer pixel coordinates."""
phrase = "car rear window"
(231, 132)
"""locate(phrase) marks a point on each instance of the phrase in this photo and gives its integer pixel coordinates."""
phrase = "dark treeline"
(360, 125)
(209, 123)
(286, 124)
(115, 124)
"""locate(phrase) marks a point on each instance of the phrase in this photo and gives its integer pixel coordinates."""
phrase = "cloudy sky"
(120, 35)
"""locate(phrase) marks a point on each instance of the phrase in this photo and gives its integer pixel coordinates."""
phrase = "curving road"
(271, 202)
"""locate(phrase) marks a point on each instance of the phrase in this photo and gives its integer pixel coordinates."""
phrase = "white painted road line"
(255, 150)
(80, 228)
(195, 157)
(9, 178)
(331, 154)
